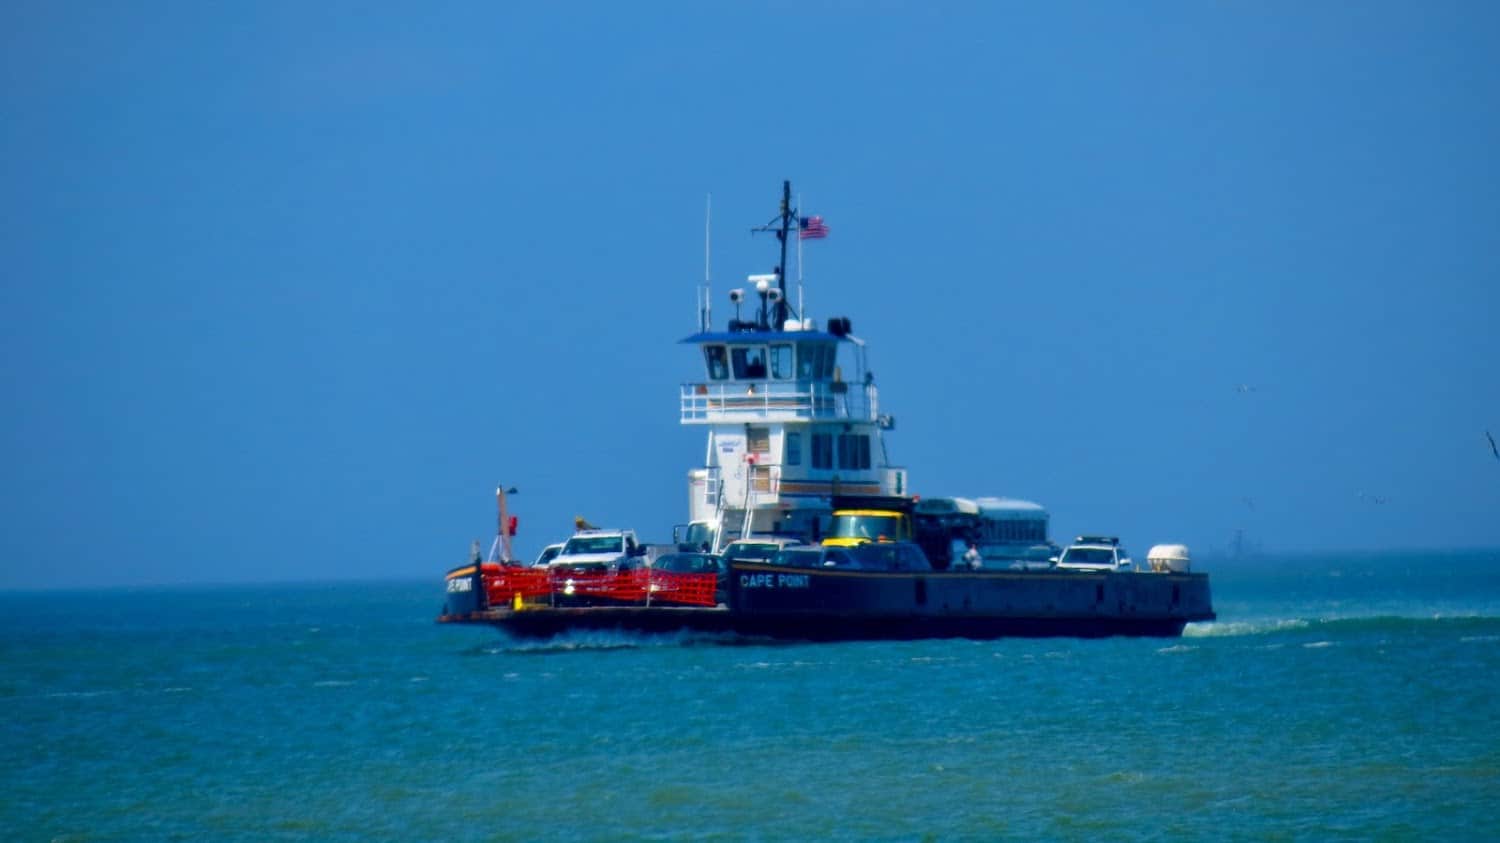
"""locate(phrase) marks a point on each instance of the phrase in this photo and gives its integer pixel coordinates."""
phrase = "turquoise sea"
(1339, 696)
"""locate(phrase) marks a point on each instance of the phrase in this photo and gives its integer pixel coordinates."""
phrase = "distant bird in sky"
(1492, 444)
(1375, 499)
(1243, 387)
(1250, 502)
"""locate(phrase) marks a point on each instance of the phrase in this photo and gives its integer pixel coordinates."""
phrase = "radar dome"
(1169, 557)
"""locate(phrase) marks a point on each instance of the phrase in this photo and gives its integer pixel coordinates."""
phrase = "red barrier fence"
(642, 587)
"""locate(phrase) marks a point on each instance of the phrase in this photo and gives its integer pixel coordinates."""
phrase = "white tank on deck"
(1169, 557)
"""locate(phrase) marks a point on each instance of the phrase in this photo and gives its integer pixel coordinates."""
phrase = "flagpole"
(706, 314)
(801, 314)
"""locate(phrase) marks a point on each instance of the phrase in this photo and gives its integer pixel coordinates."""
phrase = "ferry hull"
(548, 622)
(1111, 599)
(813, 605)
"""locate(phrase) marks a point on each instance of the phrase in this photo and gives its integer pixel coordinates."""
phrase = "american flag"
(813, 228)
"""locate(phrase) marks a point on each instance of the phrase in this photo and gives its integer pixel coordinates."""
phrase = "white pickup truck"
(600, 551)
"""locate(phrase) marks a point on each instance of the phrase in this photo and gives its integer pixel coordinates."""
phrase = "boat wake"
(594, 640)
(1470, 627)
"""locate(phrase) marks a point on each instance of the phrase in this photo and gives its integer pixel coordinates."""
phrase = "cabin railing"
(707, 403)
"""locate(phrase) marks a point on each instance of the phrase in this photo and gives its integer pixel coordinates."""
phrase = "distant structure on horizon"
(1239, 547)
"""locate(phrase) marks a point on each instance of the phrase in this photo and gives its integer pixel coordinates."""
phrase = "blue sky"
(288, 287)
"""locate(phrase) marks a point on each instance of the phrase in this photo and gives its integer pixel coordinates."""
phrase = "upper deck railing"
(709, 403)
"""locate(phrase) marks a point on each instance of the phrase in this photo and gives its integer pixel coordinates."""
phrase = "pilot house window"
(781, 361)
(749, 362)
(793, 449)
(815, 361)
(718, 365)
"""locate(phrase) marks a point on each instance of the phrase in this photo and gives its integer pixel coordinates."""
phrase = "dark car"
(668, 587)
(815, 556)
(890, 556)
(872, 556)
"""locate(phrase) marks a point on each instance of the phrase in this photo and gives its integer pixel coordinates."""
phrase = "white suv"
(1095, 553)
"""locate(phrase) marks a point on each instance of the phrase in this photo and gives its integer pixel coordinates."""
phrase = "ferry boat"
(796, 449)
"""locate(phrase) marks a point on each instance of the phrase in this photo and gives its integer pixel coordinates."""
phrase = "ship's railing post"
(727, 401)
(700, 402)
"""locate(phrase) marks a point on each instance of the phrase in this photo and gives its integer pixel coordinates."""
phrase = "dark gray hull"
(824, 605)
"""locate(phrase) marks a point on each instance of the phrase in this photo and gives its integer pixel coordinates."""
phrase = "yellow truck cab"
(858, 525)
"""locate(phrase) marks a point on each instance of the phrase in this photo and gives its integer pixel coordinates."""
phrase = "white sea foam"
(1317, 645)
(1217, 629)
(1177, 648)
(612, 640)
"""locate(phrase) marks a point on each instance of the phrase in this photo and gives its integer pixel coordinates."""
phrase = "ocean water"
(1341, 696)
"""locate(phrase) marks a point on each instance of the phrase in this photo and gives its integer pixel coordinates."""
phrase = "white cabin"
(793, 417)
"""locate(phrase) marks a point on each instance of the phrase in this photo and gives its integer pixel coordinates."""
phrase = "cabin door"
(733, 470)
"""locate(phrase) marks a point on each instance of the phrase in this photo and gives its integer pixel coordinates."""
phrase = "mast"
(801, 310)
(781, 231)
(786, 220)
(706, 317)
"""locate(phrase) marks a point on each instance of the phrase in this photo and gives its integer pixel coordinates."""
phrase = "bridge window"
(822, 450)
(718, 365)
(781, 361)
(854, 450)
(793, 449)
(815, 361)
(749, 362)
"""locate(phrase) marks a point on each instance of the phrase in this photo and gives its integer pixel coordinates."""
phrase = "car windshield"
(864, 527)
(699, 535)
(1089, 556)
(594, 544)
(688, 563)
